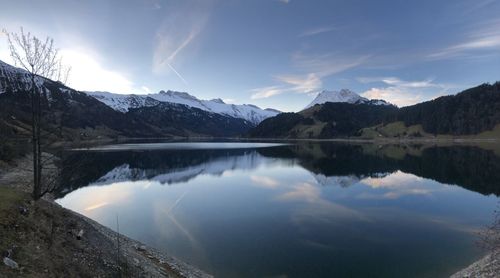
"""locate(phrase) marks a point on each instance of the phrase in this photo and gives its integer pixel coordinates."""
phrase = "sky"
(272, 53)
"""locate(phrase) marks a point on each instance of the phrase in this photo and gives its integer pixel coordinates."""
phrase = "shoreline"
(139, 253)
(99, 246)
(155, 263)
(486, 267)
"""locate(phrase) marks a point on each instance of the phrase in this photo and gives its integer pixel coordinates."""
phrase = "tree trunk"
(37, 190)
(39, 142)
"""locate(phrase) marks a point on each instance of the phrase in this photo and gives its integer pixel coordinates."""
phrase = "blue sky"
(273, 53)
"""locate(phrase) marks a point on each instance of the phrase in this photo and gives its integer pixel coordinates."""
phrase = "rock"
(10, 263)
(142, 248)
(79, 235)
(23, 210)
(136, 261)
(7, 253)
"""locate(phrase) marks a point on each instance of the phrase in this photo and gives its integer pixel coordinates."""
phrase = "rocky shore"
(487, 267)
(43, 239)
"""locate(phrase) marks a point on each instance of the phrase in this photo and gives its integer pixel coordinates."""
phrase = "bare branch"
(38, 57)
(41, 59)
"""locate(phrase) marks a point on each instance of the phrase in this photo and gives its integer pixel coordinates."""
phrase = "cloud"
(146, 89)
(397, 185)
(266, 92)
(229, 100)
(180, 28)
(284, 1)
(393, 95)
(482, 38)
(401, 92)
(394, 81)
(317, 31)
(326, 64)
(290, 83)
(301, 84)
(314, 68)
(87, 74)
(266, 182)
(302, 192)
(316, 209)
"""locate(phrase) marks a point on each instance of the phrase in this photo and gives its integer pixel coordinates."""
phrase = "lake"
(303, 209)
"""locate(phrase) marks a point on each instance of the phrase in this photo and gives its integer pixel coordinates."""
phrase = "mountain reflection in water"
(469, 167)
(296, 210)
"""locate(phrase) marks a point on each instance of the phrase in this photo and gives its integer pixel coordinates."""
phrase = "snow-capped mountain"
(215, 167)
(343, 95)
(342, 181)
(15, 79)
(103, 114)
(123, 103)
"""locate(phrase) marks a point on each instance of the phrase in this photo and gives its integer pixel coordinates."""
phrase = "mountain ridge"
(468, 113)
(344, 95)
(76, 115)
(123, 103)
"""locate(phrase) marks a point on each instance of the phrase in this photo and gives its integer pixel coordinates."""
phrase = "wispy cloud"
(317, 31)
(284, 1)
(264, 181)
(397, 185)
(402, 92)
(289, 83)
(327, 64)
(146, 89)
(229, 100)
(301, 83)
(314, 68)
(485, 37)
(180, 28)
(394, 95)
(394, 81)
(266, 92)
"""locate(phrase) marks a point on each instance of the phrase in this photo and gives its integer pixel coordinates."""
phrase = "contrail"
(176, 202)
(172, 68)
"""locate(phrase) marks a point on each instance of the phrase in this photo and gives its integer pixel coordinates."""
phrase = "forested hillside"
(470, 112)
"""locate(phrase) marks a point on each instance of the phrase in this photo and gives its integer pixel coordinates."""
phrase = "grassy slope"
(399, 130)
(43, 241)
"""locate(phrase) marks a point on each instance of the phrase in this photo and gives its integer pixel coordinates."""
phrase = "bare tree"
(41, 60)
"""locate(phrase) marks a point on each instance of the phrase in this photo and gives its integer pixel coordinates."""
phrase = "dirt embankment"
(42, 239)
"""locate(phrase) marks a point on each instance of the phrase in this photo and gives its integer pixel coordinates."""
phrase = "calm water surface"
(293, 210)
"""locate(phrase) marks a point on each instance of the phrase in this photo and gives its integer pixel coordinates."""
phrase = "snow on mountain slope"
(342, 181)
(123, 103)
(16, 79)
(214, 167)
(343, 95)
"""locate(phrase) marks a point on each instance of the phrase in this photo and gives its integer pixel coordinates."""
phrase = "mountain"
(343, 95)
(183, 120)
(473, 112)
(123, 103)
(75, 115)
(331, 119)
(329, 164)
